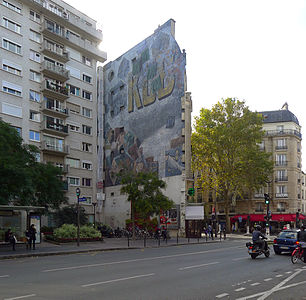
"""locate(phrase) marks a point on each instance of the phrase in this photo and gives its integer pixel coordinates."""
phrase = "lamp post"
(94, 212)
(78, 192)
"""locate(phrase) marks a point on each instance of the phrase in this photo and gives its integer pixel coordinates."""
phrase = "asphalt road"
(204, 271)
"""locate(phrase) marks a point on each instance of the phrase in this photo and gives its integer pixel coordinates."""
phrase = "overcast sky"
(252, 50)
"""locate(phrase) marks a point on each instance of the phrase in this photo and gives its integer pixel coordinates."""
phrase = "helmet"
(258, 227)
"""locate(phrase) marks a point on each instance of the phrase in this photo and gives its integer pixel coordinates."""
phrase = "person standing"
(32, 236)
(10, 238)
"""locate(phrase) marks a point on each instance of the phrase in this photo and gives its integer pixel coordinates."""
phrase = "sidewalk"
(109, 244)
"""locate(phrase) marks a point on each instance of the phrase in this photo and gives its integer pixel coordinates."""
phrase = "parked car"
(286, 241)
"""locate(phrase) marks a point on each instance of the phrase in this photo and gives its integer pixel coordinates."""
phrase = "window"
(259, 207)
(18, 129)
(11, 25)
(74, 127)
(282, 175)
(35, 56)
(11, 67)
(281, 207)
(281, 144)
(86, 95)
(11, 6)
(87, 78)
(86, 112)
(87, 165)
(11, 88)
(280, 128)
(35, 76)
(73, 181)
(281, 190)
(86, 181)
(34, 16)
(87, 147)
(11, 110)
(34, 116)
(74, 72)
(86, 61)
(86, 129)
(74, 90)
(37, 157)
(281, 159)
(35, 36)
(74, 163)
(74, 54)
(34, 96)
(11, 46)
(34, 136)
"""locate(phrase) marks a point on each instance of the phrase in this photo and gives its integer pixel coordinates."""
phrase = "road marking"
(135, 260)
(240, 289)
(240, 258)
(255, 283)
(116, 280)
(268, 279)
(279, 275)
(197, 266)
(21, 297)
(268, 293)
(289, 272)
(4, 276)
(222, 295)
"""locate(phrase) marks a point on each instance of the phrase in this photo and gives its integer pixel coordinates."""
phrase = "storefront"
(194, 221)
(277, 222)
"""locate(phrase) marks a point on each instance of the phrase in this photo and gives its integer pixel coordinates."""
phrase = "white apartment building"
(48, 58)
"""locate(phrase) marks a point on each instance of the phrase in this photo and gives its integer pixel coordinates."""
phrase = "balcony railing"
(57, 72)
(55, 90)
(259, 195)
(281, 163)
(283, 132)
(55, 127)
(284, 147)
(56, 111)
(283, 178)
(55, 52)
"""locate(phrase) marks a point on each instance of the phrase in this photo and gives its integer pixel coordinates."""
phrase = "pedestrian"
(32, 234)
(9, 237)
(233, 228)
(210, 232)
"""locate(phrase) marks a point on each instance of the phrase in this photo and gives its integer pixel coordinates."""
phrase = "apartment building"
(48, 55)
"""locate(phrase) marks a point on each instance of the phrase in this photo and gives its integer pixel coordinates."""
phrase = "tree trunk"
(226, 208)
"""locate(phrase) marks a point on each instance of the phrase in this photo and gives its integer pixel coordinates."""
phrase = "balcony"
(55, 52)
(280, 179)
(259, 195)
(281, 163)
(53, 71)
(77, 24)
(53, 90)
(283, 147)
(283, 133)
(53, 149)
(56, 34)
(281, 195)
(49, 108)
(51, 127)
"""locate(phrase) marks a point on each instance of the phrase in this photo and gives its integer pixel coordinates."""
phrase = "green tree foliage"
(226, 153)
(68, 215)
(144, 191)
(24, 181)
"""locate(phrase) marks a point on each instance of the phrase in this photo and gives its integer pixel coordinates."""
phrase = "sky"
(251, 50)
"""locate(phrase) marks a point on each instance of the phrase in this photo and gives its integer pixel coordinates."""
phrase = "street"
(201, 271)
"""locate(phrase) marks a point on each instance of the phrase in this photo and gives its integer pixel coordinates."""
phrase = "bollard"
(177, 238)
(128, 241)
(158, 241)
(145, 241)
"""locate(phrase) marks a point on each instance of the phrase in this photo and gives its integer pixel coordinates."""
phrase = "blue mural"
(142, 98)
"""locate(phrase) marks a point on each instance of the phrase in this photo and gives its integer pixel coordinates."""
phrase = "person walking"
(9, 237)
(32, 236)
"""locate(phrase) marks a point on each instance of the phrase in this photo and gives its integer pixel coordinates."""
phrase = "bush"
(68, 231)
(89, 232)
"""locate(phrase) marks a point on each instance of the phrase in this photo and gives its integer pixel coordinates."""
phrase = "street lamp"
(94, 212)
(78, 192)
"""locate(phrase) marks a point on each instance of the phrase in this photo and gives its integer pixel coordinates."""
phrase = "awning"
(194, 213)
(260, 217)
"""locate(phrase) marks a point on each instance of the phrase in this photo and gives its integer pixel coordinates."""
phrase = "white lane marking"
(4, 276)
(279, 275)
(280, 289)
(255, 283)
(198, 266)
(289, 272)
(135, 260)
(240, 289)
(268, 293)
(240, 258)
(222, 295)
(21, 297)
(116, 280)
(268, 279)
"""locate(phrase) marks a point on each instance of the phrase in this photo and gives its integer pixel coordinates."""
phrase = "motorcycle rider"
(258, 238)
(302, 239)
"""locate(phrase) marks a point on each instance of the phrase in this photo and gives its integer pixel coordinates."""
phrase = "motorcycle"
(255, 250)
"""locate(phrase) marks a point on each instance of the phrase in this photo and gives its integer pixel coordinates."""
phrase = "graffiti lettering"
(133, 94)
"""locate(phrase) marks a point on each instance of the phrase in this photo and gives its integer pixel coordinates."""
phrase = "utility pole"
(78, 192)
(94, 211)
(268, 215)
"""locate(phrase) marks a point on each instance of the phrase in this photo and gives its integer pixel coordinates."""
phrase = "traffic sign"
(83, 199)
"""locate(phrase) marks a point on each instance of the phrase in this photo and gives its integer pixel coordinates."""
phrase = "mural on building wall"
(143, 110)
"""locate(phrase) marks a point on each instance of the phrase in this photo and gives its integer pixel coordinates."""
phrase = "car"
(286, 241)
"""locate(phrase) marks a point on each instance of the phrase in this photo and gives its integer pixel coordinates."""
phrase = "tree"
(145, 194)
(23, 180)
(226, 153)
(68, 215)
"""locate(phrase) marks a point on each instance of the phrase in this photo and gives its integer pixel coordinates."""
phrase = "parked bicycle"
(297, 254)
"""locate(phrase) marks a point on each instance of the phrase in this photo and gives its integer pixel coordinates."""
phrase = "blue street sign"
(83, 199)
